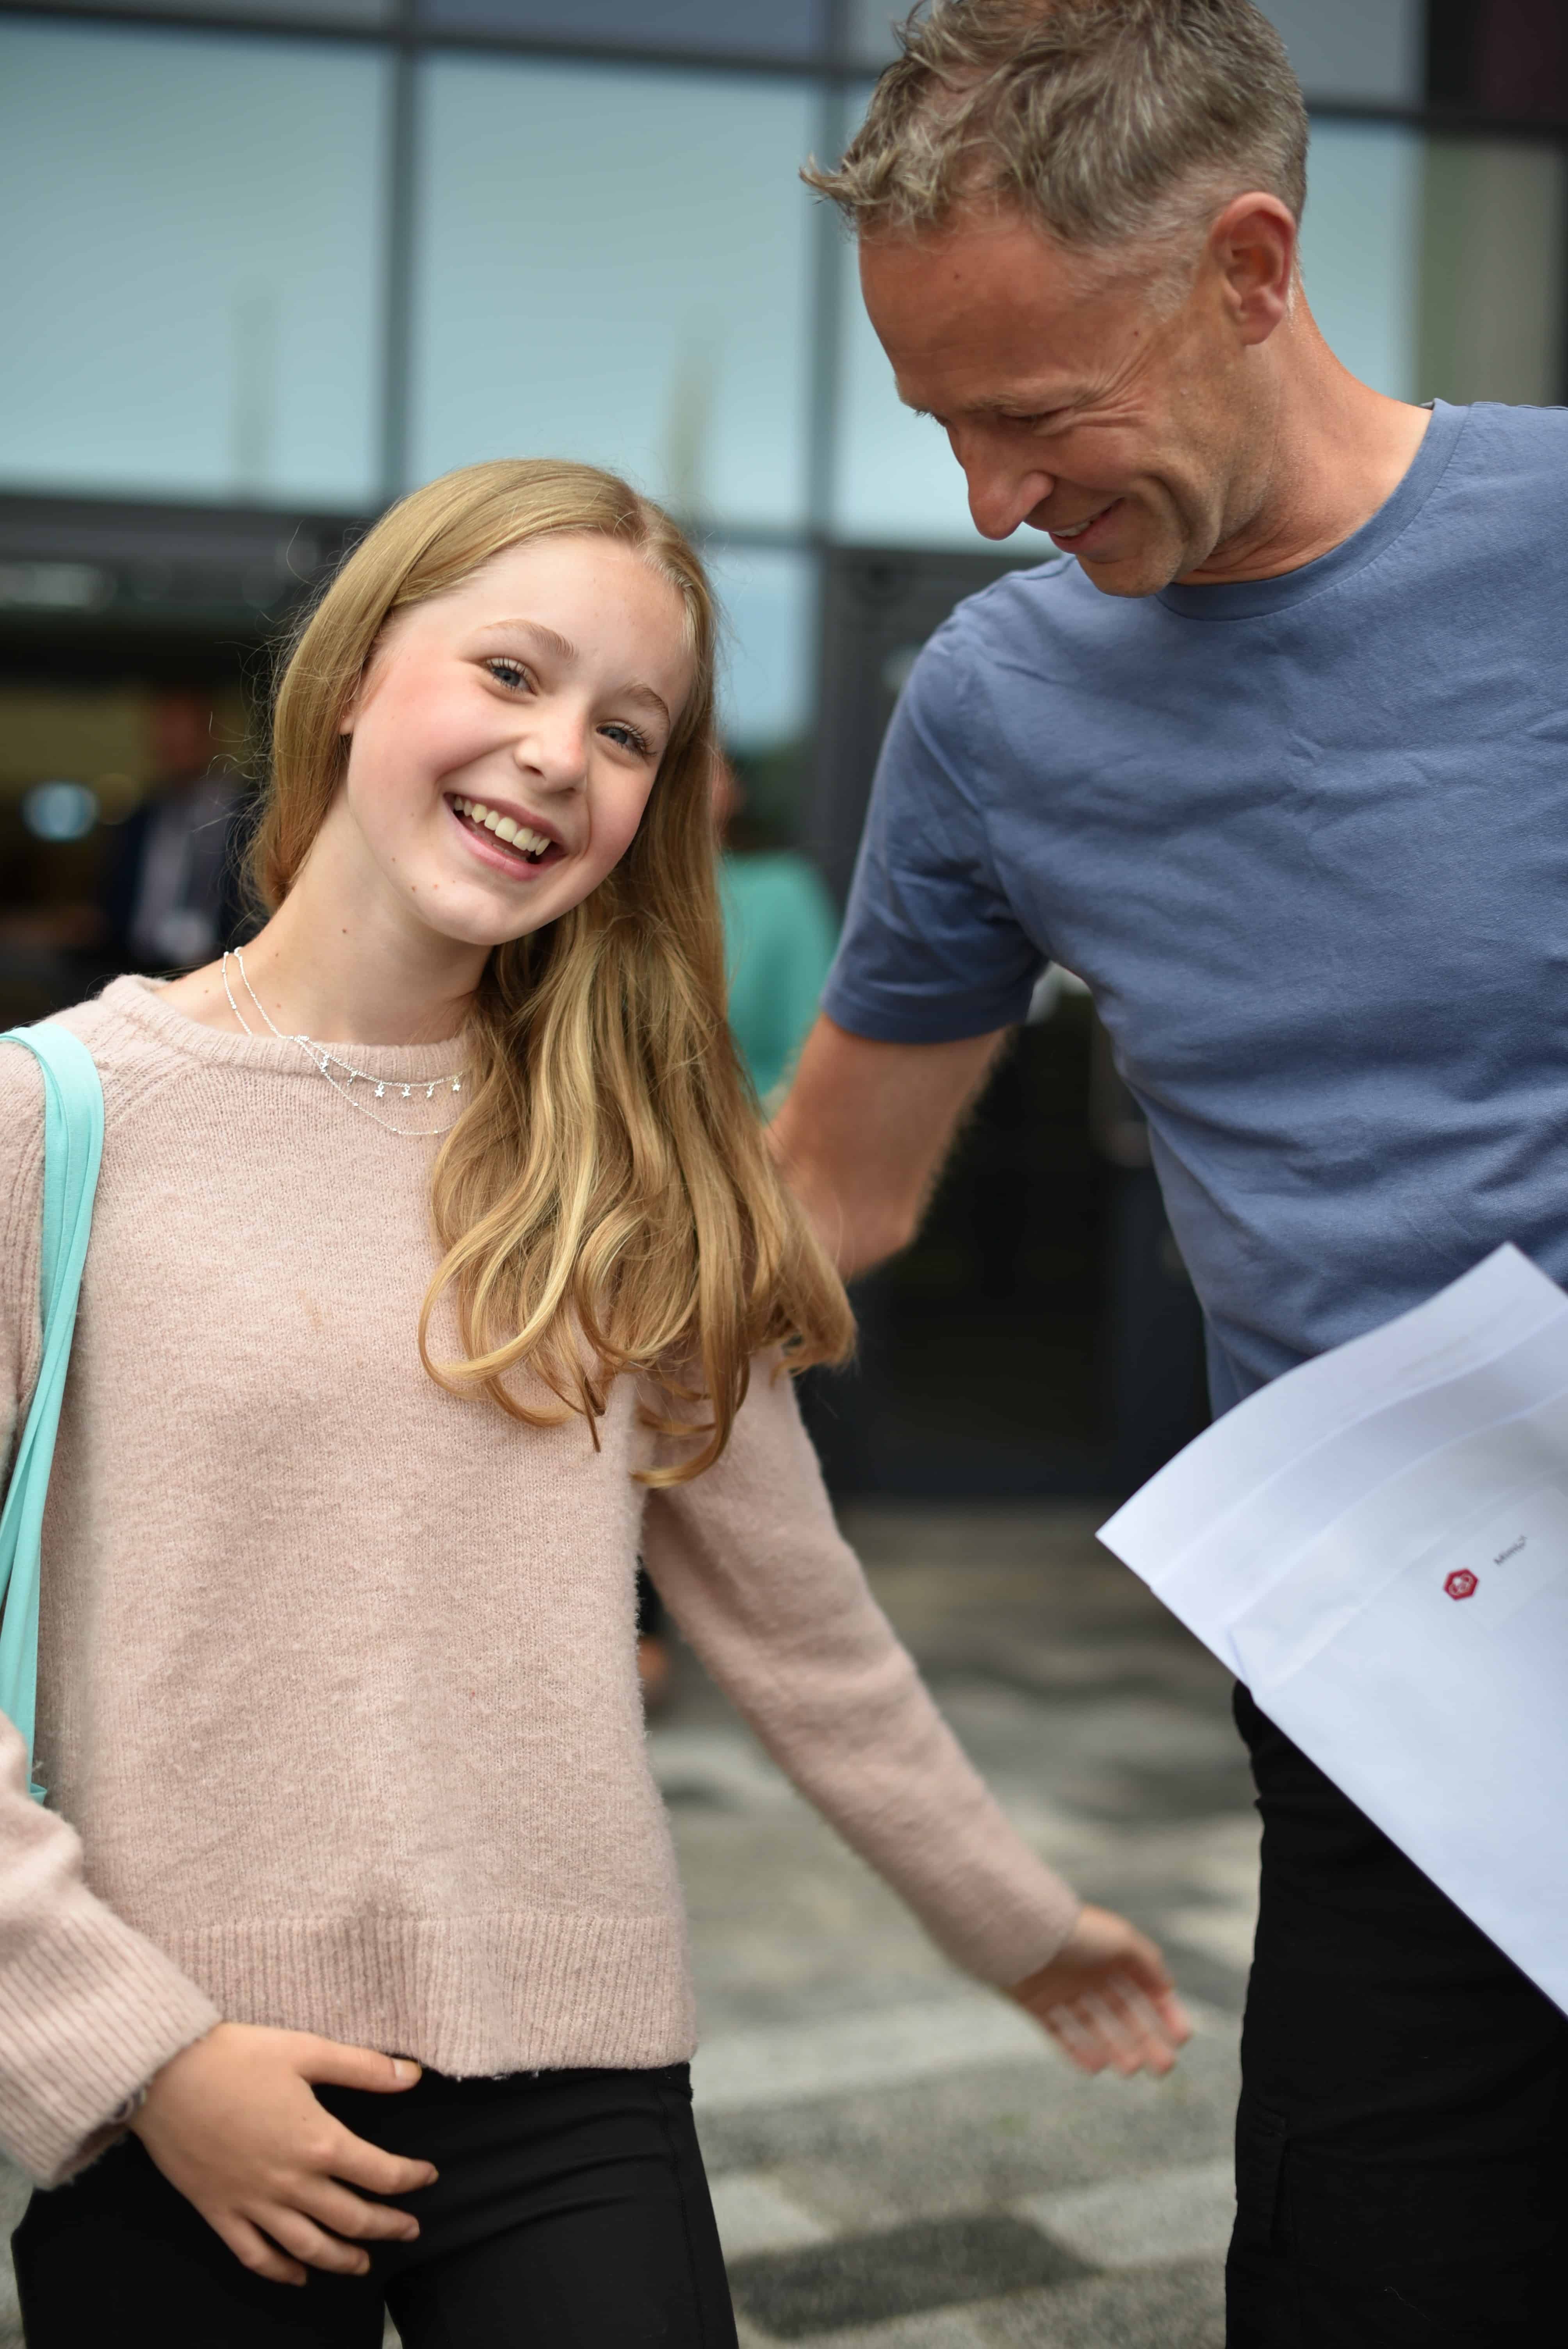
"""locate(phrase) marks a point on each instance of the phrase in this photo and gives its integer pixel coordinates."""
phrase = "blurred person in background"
(173, 892)
(1273, 755)
(780, 931)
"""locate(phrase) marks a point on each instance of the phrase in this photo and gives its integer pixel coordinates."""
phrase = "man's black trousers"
(1402, 2143)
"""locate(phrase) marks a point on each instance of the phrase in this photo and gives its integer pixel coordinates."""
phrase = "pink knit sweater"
(337, 1686)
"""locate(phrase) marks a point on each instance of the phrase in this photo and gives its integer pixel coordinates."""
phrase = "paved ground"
(899, 2161)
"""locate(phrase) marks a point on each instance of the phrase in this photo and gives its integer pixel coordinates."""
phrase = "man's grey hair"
(1108, 122)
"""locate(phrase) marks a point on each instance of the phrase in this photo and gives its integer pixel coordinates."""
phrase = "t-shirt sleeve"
(931, 950)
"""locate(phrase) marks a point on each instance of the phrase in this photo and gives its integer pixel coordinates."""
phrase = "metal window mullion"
(398, 266)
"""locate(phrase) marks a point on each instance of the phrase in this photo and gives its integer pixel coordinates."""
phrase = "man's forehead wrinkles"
(996, 401)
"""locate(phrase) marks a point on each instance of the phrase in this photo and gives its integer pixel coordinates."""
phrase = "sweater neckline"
(143, 1002)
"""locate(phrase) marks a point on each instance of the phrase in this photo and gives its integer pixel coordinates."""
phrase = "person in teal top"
(780, 932)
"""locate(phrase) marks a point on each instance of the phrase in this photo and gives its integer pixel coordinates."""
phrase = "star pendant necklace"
(327, 1061)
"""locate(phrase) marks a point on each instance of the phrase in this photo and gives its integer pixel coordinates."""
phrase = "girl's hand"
(231, 2122)
(1107, 1998)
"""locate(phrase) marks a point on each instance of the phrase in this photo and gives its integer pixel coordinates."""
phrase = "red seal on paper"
(1462, 1585)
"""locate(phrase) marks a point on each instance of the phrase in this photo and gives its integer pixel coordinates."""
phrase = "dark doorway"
(112, 616)
(1040, 1336)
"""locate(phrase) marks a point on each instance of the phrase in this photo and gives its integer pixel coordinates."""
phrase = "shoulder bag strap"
(73, 1147)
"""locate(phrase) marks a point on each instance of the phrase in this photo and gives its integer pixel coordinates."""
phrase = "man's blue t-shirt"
(1306, 839)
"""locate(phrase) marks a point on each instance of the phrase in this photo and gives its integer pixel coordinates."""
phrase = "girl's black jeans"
(1402, 2143)
(570, 2212)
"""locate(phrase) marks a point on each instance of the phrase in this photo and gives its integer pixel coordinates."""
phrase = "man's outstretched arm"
(865, 1128)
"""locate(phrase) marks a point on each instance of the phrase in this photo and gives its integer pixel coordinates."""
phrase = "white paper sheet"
(1377, 1545)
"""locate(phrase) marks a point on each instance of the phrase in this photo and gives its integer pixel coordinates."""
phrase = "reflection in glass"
(870, 30)
(768, 598)
(1370, 50)
(191, 268)
(1361, 249)
(783, 29)
(896, 483)
(348, 13)
(1492, 271)
(59, 811)
(614, 264)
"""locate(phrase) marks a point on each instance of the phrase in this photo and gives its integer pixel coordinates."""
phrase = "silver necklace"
(326, 1060)
(321, 1053)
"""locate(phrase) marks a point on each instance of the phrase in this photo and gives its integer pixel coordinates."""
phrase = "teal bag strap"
(73, 1147)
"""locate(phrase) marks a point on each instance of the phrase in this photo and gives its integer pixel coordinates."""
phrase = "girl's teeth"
(516, 835)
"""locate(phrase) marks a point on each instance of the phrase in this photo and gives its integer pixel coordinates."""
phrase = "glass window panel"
(191, 265)
(767, 687)
(329, 12)
(768, 597)
(871, 24)
(1493, 272)
(896, 483)
(779, 28)
(614, 264)
(1370, 50)
(1361, 249)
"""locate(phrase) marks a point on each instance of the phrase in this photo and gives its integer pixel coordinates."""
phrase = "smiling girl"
(360, 1963)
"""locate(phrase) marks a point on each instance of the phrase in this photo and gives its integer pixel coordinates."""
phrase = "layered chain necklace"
(341, 1074)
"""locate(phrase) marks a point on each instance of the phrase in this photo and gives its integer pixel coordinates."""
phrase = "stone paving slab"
(975, 2192)
(1176, 2308)
(944, 2328)
(850, 2054)
(927, 2263)
(1149, 2220)
(754, 2213)
(981, 2138)
(1163, 2308)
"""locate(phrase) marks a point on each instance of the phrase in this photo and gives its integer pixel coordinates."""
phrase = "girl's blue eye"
(517, 679)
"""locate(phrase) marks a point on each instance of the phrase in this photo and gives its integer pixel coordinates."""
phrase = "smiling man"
(1274, 753)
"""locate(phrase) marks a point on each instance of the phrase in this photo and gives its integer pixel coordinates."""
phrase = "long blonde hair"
(606, 1201)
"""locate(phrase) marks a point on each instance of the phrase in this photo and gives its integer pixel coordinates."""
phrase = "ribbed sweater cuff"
(91, 2012)
(1021, 1933)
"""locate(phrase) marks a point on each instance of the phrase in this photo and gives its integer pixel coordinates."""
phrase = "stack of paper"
(1377, 1545)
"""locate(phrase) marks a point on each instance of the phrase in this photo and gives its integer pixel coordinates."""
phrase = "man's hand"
(231, 2122)
(1107, 1998)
